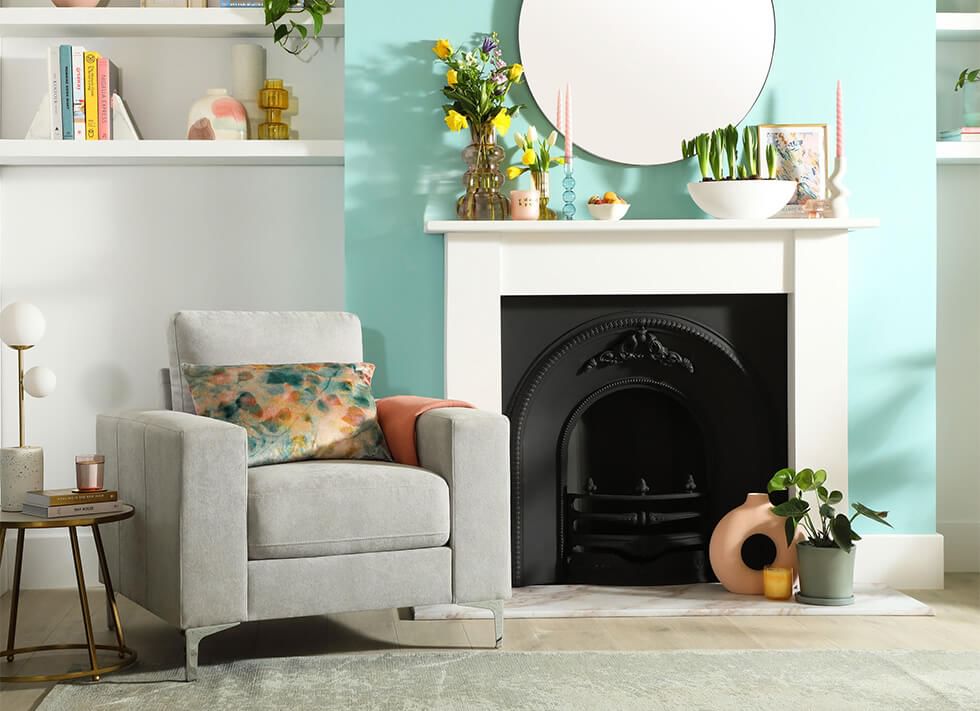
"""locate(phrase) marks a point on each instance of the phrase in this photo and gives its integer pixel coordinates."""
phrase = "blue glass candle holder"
(568, 196)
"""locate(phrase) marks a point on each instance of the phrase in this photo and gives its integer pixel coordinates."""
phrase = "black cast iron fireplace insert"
(637, 423)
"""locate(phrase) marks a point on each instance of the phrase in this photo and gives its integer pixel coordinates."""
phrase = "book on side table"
(55, 503)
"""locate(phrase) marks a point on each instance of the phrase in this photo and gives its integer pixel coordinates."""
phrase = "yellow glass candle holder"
(273, 98)
(777, 583)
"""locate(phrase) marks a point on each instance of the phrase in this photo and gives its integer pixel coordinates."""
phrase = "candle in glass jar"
(777, 583)
(524, 204)
(89, 472)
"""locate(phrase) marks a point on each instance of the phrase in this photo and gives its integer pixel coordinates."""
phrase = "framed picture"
(801, 155)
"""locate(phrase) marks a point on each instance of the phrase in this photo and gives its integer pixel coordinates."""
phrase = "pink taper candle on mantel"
(568, 125)
(840, 120)
(558, 114)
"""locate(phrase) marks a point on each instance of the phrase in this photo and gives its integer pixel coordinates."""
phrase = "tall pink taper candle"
(840, 120)
(558, 114)
(568, 124)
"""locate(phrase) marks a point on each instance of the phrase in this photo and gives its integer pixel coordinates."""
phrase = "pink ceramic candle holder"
(525, 204)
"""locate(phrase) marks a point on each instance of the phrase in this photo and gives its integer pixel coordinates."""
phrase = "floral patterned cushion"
(294, 411)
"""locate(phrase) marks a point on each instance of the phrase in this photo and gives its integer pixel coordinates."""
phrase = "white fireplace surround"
(806, 259)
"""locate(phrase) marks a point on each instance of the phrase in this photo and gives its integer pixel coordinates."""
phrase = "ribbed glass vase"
(542, 183)
(483, 179)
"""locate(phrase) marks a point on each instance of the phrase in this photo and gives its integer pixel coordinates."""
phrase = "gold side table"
(21, 522)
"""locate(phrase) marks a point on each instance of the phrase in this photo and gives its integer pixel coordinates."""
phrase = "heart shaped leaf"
(840, 531)
(878, 516)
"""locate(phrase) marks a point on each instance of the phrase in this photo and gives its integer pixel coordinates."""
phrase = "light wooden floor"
(52, 616)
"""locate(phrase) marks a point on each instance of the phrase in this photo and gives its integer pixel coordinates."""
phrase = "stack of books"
(83, 96)
(55, 503)
(967, 133)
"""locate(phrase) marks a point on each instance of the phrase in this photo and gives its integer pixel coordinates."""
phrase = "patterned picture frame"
(801, 155)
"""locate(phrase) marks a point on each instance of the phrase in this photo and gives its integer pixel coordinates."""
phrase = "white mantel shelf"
(460, 227)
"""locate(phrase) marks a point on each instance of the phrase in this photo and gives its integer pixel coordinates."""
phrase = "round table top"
(16, 519)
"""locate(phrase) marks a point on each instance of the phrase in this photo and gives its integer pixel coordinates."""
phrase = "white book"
(54, 92)
(78, 91)
(99, 507)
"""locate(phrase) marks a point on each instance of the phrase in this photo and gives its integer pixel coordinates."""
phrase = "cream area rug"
(538, 681)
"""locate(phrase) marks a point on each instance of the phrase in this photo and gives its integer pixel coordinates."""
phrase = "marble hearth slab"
(699, 600)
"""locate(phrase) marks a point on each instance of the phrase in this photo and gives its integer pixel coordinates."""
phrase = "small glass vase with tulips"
(477, 83)
(536, 159)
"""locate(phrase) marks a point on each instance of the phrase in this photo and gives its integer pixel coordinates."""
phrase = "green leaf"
(317, 23)
(794, 507)
(300, 28)
(855, 536)
(791, 522)
(835, 497)
(819, 477)
(827, 511)
(281, 32)
(822, 493)
(840, 531)
(804, 480)
(878, 516)
(781, 480)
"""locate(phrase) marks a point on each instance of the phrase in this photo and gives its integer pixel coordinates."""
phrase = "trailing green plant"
(835, 529)
(750, 150)
(282, 31)
(771, 160)
(967, 75)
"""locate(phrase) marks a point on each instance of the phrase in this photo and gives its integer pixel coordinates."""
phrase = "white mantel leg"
(818, 357)
(473, 342)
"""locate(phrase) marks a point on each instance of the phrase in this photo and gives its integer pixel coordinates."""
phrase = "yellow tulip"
(529, 158)
(515, 73)
(452, 78)
(456, 121)
(501, 121)
(443, 49)
(514, 172)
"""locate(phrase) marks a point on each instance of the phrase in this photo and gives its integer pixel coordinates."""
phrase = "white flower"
(521, 143)
(532, 134)
(552, 138)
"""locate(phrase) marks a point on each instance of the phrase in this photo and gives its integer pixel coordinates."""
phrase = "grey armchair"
(215, 543)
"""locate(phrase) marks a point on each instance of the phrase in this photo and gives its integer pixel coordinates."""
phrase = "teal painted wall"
(403, 166)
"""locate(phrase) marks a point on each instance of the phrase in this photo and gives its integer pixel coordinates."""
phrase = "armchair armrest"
(470, 449)
(183, 556)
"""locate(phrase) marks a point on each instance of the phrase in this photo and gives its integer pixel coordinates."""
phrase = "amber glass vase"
(483, 179)
(542, 183)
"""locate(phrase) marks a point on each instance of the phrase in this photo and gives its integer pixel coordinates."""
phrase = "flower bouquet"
(477, 82)
(536, 159)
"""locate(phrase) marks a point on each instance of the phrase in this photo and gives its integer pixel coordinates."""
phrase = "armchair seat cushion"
(335, 507)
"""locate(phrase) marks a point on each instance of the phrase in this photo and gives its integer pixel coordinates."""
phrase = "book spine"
(54, 91)
(78, 92)
(76, 509)
(64, 74)
(104, 93)
(91, 96)
(71, 499)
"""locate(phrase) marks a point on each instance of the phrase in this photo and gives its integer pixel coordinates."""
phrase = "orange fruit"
(610, 197)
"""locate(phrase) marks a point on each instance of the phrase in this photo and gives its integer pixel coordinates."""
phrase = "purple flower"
(499, 78)
(488, 45)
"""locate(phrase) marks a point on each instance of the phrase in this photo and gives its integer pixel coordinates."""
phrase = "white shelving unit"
(145, 22)
(958, 26)
(958, 152)
(122, 153)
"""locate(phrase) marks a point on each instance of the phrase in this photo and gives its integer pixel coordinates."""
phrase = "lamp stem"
(20, 392)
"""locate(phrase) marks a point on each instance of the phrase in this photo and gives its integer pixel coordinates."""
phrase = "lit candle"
(840, 120)
(558, 113)
(568, 125)
(777, 583)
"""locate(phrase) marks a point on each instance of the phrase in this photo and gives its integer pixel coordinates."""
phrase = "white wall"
(109, 253)
(958, 324)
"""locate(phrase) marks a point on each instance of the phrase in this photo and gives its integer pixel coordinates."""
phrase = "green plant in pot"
(969, 82)
(826, 555)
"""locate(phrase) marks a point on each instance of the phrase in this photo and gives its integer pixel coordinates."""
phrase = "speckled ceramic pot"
(21, 470)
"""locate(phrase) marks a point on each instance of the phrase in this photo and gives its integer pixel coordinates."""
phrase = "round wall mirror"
(646, 74)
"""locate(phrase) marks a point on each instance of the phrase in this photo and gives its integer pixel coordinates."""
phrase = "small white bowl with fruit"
(609, 206)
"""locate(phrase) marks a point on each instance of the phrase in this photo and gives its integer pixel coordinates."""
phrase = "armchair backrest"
(244, 337)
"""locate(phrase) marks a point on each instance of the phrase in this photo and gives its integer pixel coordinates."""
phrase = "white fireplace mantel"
(806, 259)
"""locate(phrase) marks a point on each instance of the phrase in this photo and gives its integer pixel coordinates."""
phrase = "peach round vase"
(725, 550)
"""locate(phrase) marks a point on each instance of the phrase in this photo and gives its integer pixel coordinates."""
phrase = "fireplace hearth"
(637, 422)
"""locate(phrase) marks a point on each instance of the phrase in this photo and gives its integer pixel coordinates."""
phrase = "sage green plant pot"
(826, 575)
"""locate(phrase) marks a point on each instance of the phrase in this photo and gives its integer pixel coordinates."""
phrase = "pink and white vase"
(217, 117)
